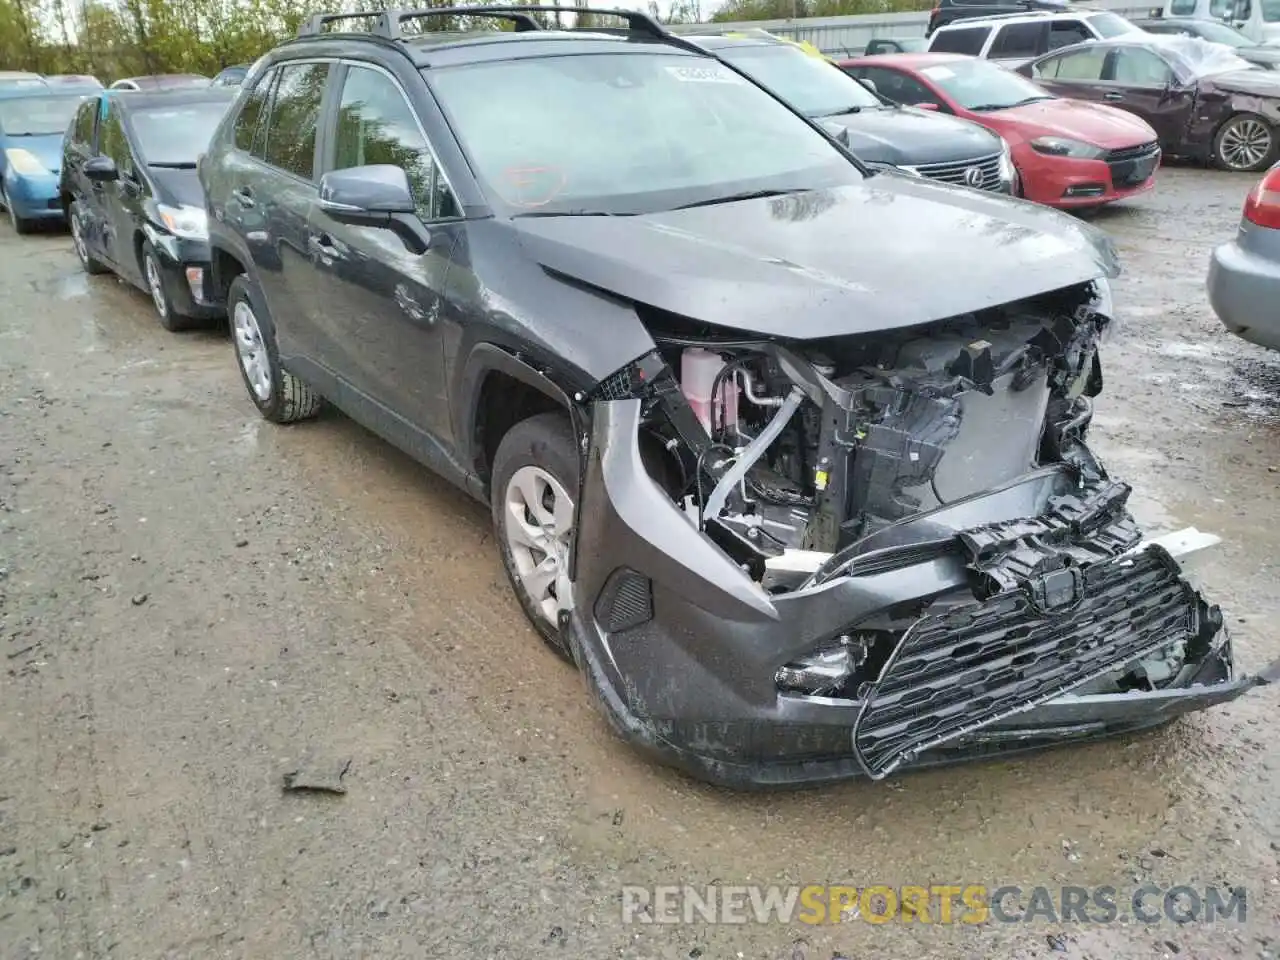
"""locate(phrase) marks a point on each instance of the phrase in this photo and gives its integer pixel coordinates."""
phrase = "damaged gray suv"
(802, 499)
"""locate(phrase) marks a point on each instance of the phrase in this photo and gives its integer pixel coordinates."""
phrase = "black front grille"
(1132, 166)
(957, 171)
(955, 672)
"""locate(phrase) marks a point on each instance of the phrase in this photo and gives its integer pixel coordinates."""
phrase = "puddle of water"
(1187, 349)
(72, 287)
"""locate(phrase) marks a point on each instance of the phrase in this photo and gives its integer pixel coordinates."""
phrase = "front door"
(379, 301)
(1144, 84)
(105, 235)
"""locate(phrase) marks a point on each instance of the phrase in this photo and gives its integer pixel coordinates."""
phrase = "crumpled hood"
(47, 149)
(906, 136)
(891, 252)
(1263, 83)
(1090, 123)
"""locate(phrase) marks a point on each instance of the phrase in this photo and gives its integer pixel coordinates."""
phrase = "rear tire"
(279, 396)
(1246, 143)
(533, 492)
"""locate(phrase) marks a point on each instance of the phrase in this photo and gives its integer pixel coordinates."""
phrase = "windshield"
(37, 116)
(979, 85)
(1220, 33)
(623, 133)
(814, 87)
(11, 82)
(1111, 25)
(174, 136)
(1194, 57)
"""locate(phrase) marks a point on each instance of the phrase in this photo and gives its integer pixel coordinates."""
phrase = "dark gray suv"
(802, 498)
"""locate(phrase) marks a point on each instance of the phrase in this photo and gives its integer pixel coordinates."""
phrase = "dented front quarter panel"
(695, 685)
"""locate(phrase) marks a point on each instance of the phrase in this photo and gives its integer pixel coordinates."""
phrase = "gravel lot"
(194, 603)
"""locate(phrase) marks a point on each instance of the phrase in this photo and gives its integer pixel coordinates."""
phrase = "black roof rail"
(390, 23)
(315, 25)
(639, 25)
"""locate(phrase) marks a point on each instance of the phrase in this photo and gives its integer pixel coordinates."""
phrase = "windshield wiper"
(570, 213)
(844, 111)
(174, 165)
(745, 195)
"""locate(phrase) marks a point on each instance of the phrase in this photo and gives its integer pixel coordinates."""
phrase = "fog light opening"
(195, 280)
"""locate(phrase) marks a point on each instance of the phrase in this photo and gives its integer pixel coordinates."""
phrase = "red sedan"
(1068, 153)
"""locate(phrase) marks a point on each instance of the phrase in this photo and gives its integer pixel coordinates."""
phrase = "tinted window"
(983, 85)
(1140, 68)
(376, 125)
(812, 86)
(1017, 40)
(249, 122)
(86, 117)
(1066, 33)
(1080, 66)
(623, 133)
(113, 143)
(37, 116)
(295, 108)
(1183, 8)
(174, 136)
(1110, 25)
(897, 86)
(966, 40)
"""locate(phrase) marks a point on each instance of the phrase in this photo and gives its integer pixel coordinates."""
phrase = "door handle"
(245, 196)
(322, 245)
(1113, 96)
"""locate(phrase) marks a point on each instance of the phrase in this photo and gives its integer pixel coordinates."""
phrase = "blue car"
(33, 121)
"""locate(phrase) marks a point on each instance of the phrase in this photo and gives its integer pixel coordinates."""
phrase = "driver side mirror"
(101, 170)
(375, 195)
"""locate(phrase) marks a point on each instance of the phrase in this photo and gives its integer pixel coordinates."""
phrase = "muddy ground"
(194, 602)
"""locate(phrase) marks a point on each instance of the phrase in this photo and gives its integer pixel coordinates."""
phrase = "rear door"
(1076, 73)
(1016, 43)
(377, 323)
(969, 41)
(272, 199)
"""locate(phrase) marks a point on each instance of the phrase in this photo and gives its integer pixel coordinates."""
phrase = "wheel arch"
(499, 390)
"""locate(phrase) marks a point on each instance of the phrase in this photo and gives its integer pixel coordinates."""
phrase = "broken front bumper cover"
(682, 648)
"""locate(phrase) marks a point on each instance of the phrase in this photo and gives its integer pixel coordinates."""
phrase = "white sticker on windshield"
(937, 73)
(709, 74)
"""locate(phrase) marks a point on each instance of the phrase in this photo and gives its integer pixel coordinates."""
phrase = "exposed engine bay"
(798, 460)
(781, 448)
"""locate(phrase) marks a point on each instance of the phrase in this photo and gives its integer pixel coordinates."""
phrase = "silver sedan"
(1244, 274)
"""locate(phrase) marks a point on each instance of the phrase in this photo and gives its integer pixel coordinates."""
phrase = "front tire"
(1246, 143)
(75, 222)
(533, 492)
(279, 396)
(153, 274)
(20, 224)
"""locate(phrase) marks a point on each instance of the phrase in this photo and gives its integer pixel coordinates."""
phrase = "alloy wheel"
(251, 350)
(77, 238)
(538, 526)
(1244, 144)
(155, 285)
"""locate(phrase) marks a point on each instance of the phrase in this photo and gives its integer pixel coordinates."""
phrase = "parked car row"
(800, 500)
